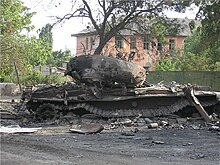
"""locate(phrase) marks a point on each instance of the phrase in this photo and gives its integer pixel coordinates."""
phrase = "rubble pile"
(113, 93)
(11, 117)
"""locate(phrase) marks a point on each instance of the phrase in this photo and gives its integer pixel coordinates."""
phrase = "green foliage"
(158, 31)
(37, 51)
(192, 43)
(16, 47)
(209, 13)
(193, 62)
(217, 66)
(214, 51)
(58, 57)
(188, 62)
(55, 79)
(14, 17)
(46, 35)
(208, 41)
(34, 77)
(195, 49)
(166, 64)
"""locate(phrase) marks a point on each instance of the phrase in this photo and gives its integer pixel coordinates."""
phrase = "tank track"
(117, 113)
(120, 113)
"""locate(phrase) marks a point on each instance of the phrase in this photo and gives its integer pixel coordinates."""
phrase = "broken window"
(171, 44)
(87, 42)
(118, 42)
(91, 42)
(159, 46)
(146, 44)
(132, 42)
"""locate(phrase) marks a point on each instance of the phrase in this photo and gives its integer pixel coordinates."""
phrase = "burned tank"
(105, 71)
(113, 88)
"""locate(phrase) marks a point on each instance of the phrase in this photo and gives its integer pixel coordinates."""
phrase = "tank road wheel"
(46, 113)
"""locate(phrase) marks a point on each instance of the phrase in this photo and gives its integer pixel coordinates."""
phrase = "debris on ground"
(8, 110)
(157, 142)
(11, 115)
(85, 128)
(17, 129)
(153, 125)
(214, 128)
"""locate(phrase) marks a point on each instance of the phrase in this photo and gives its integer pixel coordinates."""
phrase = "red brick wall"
(142, 56)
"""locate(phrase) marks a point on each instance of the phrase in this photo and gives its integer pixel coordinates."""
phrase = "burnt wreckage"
(113, 88)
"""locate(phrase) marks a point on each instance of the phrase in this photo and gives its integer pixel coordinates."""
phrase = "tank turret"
(105, 70)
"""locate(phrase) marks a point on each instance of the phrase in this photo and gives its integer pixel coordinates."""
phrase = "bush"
(34, 77)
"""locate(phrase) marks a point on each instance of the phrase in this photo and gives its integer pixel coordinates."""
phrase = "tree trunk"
(103, 41)
(101, 45)
(98, 50)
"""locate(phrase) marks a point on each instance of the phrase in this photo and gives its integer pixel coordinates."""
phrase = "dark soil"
(120, 146)
(182, 143)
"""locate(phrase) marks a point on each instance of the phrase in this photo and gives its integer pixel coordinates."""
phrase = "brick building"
(146, 52)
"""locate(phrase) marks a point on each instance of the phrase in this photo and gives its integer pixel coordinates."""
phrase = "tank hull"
(145, 102)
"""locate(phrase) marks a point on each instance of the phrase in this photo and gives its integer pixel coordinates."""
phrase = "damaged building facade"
(146, 51)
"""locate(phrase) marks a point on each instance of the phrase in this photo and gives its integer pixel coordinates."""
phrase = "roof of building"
(84, 32)
(185, 29)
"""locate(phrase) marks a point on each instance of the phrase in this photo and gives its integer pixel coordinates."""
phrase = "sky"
(62, 39)
(62, 32)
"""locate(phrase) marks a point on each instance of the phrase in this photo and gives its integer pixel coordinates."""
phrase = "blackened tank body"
(107, 70)
(113, 101)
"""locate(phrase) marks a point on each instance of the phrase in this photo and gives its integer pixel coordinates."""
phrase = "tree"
(194, 62)
(45, 33)
(58, 57)
(166, 64)
(192, 43)
(209, 14)
(202, 48)
(196, 46)
(111, 16)
(188, 62)
(46, 37)
(17, 48)
(14, 17)
(36, 51)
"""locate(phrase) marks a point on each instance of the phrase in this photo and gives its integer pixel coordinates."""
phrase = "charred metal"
(112, 88)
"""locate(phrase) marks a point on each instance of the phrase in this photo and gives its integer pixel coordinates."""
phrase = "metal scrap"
(17, 129)
(85, 128)
(105, 71)
(189, 92)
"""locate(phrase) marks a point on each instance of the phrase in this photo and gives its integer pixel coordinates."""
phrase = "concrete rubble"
(9, 89)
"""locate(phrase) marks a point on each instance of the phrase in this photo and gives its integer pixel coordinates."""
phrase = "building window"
(159, 46)
(91, 42)
(132, 42)
(146, 44)
(87, 43)
(171, 44)
(118, 42)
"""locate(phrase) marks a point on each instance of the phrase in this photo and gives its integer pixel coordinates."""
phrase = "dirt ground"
(194, 144)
